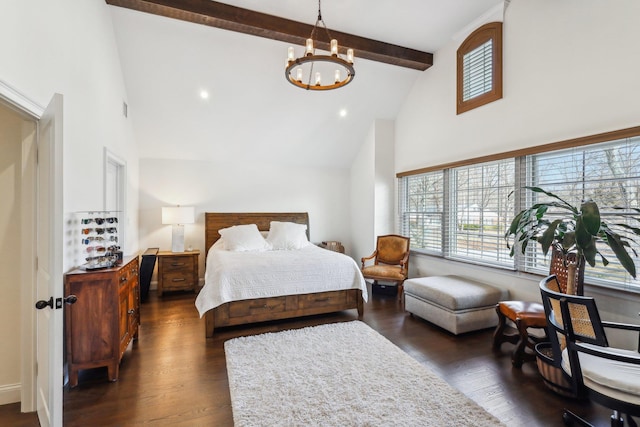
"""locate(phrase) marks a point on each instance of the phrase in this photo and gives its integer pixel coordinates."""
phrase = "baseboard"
(9, 393)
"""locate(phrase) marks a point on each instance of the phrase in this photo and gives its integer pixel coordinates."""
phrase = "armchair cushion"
(384, 272)
(609, 377)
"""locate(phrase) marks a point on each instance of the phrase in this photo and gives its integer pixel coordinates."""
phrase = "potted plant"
(573, 234)
(575, 230)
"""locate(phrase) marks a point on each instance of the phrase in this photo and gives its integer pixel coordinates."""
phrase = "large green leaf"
(590, 215)
(589, 251)
(614, 242)
(583, 237)
(549, 236)
(565, 203)
(514, 224)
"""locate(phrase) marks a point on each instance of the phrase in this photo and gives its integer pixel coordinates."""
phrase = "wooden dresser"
(105, 318)
(177, 271)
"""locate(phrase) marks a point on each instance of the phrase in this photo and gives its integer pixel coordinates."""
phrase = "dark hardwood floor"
(174, 376)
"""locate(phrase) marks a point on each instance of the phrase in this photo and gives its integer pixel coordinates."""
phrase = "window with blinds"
(422, 207)
(477, 71)
(462, 212)
(480, 211)
(607, 173)
(479, 68)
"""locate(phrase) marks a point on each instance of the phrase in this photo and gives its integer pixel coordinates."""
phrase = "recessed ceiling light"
(204, 94)
(343, 112)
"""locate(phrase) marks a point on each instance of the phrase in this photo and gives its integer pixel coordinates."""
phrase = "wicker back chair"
(607, 375)
(558, 268)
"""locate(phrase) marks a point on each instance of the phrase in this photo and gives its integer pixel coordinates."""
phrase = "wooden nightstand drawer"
(179, 264)
(177, 271)
(177, 280)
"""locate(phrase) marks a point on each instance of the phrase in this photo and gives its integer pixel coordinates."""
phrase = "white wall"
(241, 187)
(570, 70)
(10, 242)
(362, 198)
(68, 47)
(372, 183)
(385, 183)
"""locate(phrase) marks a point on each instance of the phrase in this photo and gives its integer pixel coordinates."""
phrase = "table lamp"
(177, 216)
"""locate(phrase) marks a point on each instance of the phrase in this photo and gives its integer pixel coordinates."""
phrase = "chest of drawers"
(104, 319)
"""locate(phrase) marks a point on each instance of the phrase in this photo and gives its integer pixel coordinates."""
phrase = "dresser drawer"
(256, 306)
(322, 299)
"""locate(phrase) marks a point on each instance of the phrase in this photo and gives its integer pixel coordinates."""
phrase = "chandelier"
(309, 70)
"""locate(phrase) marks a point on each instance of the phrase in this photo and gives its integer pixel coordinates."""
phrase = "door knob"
(71, 299)
(44, 304)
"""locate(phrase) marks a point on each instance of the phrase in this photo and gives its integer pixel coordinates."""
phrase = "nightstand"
(332, 245)
(177, 271)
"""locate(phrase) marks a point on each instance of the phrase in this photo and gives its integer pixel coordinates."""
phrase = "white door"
(49, 286)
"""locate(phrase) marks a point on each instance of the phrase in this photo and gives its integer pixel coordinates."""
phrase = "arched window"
(479, 77)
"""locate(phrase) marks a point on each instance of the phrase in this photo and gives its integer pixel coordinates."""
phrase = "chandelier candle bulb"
(318, 79)
(350, 55)
(334, 47)
(309, 49)
(336, 76)
(299, 74)
(291, 56)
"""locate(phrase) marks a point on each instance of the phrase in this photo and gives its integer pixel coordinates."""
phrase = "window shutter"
(477, 75)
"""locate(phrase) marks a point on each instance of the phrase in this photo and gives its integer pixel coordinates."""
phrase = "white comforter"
(232, 276)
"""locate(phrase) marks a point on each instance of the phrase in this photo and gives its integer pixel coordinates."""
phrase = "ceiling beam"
(246, 21)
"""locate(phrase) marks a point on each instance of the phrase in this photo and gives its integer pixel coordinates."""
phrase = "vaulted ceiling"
(172, 50)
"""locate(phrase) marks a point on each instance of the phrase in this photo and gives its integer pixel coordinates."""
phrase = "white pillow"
(287, 235)
(241, 238)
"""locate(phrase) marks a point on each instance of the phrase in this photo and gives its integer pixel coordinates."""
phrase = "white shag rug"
(342, 374)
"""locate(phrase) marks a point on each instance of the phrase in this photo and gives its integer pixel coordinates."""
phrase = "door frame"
(110, 158)
(28, 375)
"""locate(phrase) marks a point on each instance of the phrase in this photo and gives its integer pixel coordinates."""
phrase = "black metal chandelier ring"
(293, 65)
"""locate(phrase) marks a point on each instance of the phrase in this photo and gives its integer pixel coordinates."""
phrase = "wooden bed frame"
(281, 307)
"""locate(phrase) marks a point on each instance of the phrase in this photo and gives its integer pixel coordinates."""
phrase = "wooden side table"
(177, 271)
(332, 245)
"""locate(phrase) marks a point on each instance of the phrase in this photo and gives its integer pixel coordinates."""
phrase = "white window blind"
(480, 211)
(609, 174)
(422, 206)
(477, 75)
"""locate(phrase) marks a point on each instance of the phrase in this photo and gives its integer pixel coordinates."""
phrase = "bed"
(218, 312)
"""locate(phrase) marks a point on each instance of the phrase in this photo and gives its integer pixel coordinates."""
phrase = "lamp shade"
(178, 215)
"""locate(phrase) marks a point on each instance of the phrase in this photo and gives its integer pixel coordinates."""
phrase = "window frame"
(491, 31)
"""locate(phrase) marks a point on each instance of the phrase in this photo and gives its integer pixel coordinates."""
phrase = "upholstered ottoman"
(455, 303)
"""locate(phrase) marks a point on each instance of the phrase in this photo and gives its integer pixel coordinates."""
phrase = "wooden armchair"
(593, 370)
(390, 261)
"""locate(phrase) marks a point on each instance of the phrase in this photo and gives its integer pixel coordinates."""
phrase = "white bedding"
(232, 276)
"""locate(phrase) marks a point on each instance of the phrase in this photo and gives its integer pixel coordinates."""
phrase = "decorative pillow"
(287, 235)
(241, 238)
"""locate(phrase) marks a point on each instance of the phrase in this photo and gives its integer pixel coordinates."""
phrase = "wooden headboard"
(214, 221)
